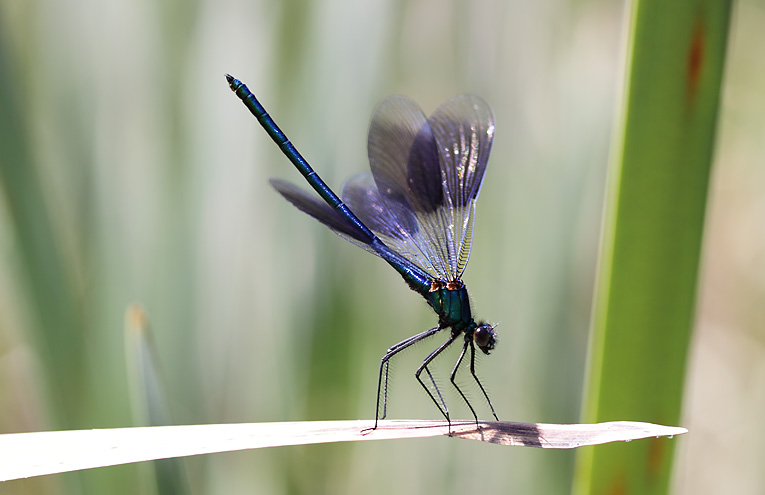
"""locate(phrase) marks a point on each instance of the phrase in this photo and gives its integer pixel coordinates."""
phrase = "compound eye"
(484, 338)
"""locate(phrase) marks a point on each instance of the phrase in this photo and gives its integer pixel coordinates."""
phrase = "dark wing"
(361, 191)
(427, 173)
(464, 130)
(316, 207)
(393, 222)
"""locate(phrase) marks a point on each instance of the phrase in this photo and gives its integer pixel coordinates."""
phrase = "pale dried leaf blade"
(552, 436)
(24, 455)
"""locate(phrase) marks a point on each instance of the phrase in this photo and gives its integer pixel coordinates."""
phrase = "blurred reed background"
(130, 173)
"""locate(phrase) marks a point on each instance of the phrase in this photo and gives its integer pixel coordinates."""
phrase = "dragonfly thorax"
(451, 302)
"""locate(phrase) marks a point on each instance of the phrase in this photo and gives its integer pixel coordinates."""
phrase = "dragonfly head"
(485, 337)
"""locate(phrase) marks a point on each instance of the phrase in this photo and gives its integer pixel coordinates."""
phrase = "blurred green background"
(130, 173)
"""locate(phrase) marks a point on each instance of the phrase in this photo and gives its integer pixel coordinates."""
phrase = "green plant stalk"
(149, 398)
(654, 217)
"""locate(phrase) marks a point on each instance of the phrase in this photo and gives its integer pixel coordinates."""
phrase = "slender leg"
(424, 366)
(382, 378)
(438, 391)
(468, 342)
(472, 372)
